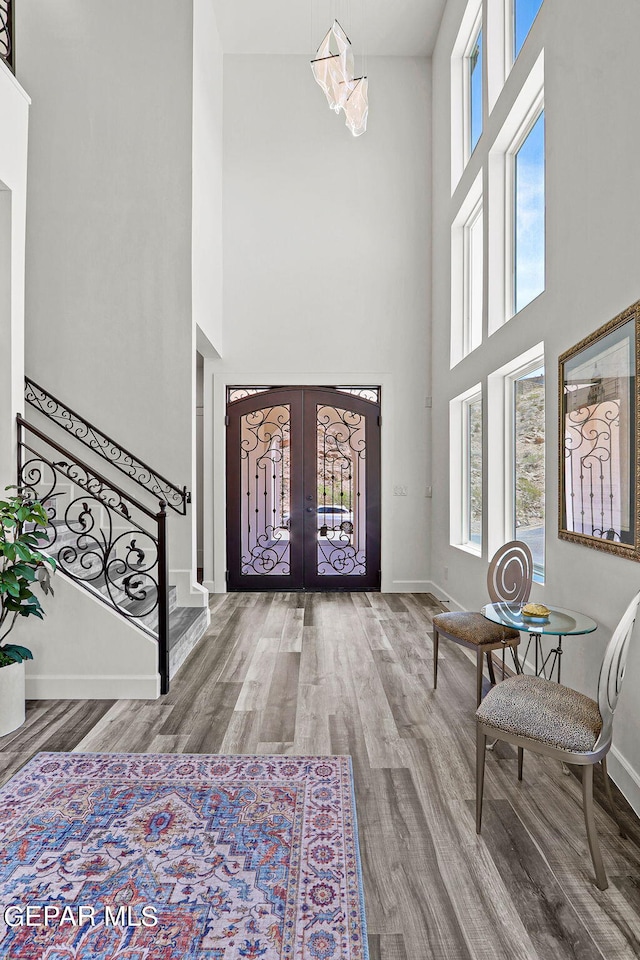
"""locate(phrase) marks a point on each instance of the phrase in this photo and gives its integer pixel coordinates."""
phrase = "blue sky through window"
(475, 91)
(529, 217)
(524, 13)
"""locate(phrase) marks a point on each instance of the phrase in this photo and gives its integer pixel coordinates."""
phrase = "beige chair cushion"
(543, 710)
(474, 628)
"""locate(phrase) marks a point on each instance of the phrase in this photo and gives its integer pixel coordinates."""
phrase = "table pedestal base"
(554, 655)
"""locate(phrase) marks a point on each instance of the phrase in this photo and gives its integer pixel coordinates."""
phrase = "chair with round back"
(540, 715)
(508, 580)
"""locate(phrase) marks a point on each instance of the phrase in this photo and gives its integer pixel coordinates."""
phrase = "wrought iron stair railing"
(176, 498)
(7, 33)
(101, 537)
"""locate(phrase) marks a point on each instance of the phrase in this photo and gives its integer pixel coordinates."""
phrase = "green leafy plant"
(22, 565)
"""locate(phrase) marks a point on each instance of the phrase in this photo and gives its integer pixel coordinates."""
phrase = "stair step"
(68, 538)
(186, 627)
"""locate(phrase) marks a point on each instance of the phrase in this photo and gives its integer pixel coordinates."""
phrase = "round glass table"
(559, 623)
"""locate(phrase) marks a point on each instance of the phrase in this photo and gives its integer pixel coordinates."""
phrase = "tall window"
(524, 13)
(472, 517)
(467, 279)
(529, 217)
(466, 89)
(473, 269)
(465, 470)
(474, 60)
(528, 463)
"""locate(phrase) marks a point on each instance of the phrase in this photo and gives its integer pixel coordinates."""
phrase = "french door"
(303, 488)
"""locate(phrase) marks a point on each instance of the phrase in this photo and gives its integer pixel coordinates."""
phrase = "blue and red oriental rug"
(174, 857)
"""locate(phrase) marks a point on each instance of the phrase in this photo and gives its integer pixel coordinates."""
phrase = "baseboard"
(407, 586)
(394, 586)
(444, 596)
(625, 778)
(92, 688)
(189, 593)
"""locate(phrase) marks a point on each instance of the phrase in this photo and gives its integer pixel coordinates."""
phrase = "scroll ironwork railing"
(594, 477)
(7, 33)
(101, 537)
(176, 498)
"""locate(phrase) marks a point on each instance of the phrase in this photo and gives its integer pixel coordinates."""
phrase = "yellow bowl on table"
(535, 611)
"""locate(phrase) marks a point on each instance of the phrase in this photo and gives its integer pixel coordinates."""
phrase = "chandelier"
(333, 68)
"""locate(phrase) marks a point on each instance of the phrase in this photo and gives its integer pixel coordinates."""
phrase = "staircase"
(107, 541)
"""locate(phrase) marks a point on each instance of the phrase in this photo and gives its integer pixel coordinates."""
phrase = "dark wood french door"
(303, 488)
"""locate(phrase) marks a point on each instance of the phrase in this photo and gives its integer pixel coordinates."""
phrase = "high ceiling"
(376, 27)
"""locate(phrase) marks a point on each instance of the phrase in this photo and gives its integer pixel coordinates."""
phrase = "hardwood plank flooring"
(351, 674)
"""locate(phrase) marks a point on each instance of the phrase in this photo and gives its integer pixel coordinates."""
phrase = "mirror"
(599, 503)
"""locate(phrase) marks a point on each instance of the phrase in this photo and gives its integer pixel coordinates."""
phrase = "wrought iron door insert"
(303, 488)
(7, 33)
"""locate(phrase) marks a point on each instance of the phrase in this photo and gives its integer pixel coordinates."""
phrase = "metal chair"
(508, 580)
(556, 721)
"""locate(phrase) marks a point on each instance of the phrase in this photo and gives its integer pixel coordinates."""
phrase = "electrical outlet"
(428, 492)
(400, 490)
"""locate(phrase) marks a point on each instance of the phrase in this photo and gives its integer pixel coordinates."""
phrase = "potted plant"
(21, 565)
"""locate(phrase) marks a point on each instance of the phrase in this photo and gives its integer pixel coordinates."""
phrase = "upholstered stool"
(476, 632)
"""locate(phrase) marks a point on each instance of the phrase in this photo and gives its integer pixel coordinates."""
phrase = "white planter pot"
(11, 697)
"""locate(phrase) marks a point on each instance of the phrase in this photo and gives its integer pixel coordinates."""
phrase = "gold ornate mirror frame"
(599, 466)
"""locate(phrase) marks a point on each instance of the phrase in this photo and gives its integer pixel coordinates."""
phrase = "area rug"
(173, 857)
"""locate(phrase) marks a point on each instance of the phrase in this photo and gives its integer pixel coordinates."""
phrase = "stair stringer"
(84, 650)
(187, 624)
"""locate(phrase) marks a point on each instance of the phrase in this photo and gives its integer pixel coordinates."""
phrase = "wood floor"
(351, 674)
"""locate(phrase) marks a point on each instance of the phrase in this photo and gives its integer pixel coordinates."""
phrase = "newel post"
(163, 600)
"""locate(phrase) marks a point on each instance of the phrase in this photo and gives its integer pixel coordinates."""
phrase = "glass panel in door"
(341, 485)
(265, 470)
(341, 505)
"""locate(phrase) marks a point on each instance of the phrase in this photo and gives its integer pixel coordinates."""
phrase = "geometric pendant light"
(333, 69)
(356, 107)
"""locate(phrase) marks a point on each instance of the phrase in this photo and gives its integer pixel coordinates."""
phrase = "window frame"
(469, 328)
(471, 24)
(529, 103)
(465, 531)
(510, 20)
(510, 379)
(460, 470)
(462, 329)
(476, 38)
(500, 429)
(535, 112)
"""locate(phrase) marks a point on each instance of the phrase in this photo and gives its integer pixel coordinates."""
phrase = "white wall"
(326, 267)
(110, 658)
(592, 100)
(206, 239)
(14, 111)
(207, 173)
(109, 324)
